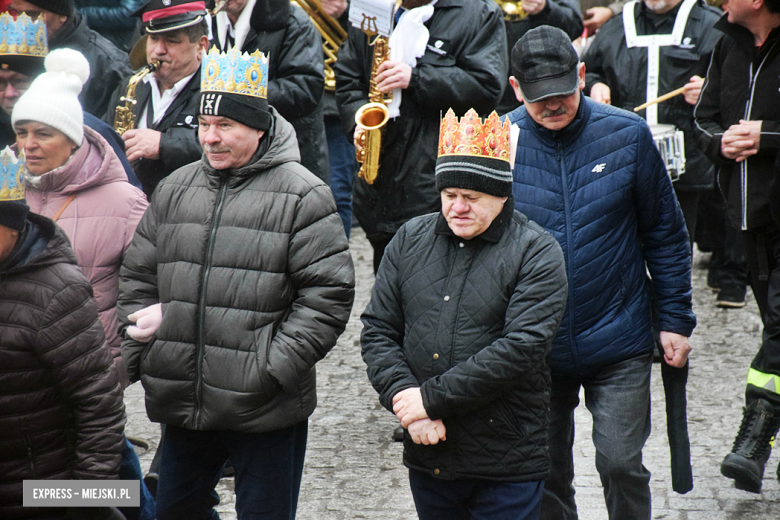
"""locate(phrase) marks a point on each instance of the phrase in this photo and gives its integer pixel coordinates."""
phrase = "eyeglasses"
(19, 84)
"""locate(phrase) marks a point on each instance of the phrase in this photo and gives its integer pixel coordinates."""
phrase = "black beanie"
(13, 214)
(61, 7)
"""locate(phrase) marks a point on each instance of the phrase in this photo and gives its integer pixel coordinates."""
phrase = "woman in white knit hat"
(76, 179)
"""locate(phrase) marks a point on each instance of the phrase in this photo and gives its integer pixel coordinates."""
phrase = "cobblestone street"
(354, 470)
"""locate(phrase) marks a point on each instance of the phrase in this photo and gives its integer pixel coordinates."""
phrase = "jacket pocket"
(504, 415)
(30, 452)
(263, 383)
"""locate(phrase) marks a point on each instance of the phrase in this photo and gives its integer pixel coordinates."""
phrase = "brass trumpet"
(513, 10)
(372, 117)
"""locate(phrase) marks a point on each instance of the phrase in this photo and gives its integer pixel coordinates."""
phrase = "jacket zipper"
(743, 168)
(569, 251)
(28, 445)
(202, 299)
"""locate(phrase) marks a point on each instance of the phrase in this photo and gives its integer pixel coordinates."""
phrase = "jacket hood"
(56, 251)
(94, 163)
(278, 146)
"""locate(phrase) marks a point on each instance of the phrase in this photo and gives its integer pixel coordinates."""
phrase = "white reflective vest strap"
(653, 43)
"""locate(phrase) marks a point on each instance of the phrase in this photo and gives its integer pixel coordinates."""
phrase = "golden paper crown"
(11, 176)
(22, 37)
(471, 137)
(235, 73)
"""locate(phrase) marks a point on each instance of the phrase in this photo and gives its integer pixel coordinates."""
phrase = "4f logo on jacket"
(599, 168)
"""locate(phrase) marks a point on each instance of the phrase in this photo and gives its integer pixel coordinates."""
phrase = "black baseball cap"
(169, 15)
(544, 62)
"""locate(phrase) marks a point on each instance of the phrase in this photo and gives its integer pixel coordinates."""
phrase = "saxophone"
(124, 119)
(373, 116)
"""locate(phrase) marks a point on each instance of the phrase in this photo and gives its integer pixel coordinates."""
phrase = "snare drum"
(670, 142)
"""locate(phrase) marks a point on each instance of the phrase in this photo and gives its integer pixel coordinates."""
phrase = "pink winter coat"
(100, 221)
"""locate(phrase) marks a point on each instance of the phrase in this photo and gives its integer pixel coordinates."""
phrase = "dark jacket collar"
(74, 32)
(492, 234)
(743, 36)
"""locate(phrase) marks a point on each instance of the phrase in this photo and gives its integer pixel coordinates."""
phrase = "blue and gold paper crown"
(235, 73)
(22, 37)
(11, 176)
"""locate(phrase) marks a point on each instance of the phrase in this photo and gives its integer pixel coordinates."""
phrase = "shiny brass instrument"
(124, 119)
(218, 6)
(513, 10)
(373, 116)
(333, 35)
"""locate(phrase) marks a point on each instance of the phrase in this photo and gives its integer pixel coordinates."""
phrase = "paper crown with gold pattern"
(13, 210)
(235, 85)
(474, 155)
(23, 44)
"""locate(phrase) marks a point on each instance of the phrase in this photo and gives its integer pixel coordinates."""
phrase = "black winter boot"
(745, 464)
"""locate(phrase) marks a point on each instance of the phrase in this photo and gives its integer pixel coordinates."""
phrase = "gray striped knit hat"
(474, 155)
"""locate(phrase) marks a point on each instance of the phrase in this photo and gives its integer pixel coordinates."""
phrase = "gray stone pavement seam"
(353, 469)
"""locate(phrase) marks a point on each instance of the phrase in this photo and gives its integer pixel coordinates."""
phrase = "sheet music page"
(372, 15)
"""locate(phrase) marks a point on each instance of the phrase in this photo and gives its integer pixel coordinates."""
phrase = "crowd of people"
(177, 195)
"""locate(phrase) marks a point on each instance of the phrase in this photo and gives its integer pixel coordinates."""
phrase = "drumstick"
(662, 98)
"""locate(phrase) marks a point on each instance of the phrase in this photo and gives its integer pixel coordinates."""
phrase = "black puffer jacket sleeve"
(299, 81)
(138, 287)
(532, 317)
(321, 270)
(71, 342)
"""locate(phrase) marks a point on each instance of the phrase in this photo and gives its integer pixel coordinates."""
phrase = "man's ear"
(516, 87)
(581, 75)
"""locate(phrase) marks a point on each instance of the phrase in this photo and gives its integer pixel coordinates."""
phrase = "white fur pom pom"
(69, 61)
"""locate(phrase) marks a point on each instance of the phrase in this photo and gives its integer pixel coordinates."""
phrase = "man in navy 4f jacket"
(457, 333)
(590, 174)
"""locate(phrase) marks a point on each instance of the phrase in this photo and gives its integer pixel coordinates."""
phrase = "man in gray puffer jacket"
(456, 336)
(248, 257)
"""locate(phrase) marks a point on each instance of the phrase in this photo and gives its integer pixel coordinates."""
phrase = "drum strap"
(653, 43)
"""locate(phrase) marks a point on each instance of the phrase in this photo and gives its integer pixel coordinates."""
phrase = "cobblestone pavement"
(354, 470)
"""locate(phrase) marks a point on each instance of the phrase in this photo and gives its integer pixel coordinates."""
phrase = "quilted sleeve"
(532, 317)
(321, 270)
(71, 342)
(383, 329)
(665, 242)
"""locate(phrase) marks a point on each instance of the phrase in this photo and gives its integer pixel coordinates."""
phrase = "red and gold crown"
(471, 137)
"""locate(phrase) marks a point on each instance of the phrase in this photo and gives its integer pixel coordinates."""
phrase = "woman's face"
(45, 148)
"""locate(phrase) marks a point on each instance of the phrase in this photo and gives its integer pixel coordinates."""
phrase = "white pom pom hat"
(53, 99)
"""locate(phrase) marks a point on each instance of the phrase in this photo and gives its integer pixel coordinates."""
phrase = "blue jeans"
(474, 499)
(268, 469)
(618, 398)
(342, 169)
(131, 470)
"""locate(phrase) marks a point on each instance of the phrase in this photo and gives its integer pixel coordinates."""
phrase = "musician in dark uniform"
(285, 34)
(164, 137)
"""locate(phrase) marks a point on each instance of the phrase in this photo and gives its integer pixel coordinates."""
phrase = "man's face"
(12, 86)
(53, 21)
(227, 143)
(178, 56)
(8, 239)
(740, 11)
(469, 213)
(233, 8)
(661, 6)
(556, 112)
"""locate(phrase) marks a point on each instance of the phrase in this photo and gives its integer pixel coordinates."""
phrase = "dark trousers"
(763, 254)
(268, 469)
(475, 499)
(728, 265)
(342, 169)
(379, 245)
(618, 398)
(689, 204)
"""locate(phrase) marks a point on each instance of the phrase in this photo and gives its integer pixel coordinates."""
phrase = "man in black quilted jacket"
(457, 332)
